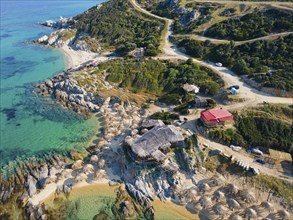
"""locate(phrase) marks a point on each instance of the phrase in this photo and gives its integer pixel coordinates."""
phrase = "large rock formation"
(66, 90)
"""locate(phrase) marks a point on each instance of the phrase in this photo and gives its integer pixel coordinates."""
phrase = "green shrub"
(166, 117)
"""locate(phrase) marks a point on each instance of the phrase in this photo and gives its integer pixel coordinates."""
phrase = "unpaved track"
(217, 41)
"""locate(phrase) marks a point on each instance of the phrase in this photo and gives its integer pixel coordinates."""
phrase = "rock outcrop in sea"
(67, 91)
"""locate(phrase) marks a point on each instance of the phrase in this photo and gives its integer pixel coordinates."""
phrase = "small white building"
(190, 88)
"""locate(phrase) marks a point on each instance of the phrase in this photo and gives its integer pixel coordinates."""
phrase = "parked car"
(235, 87)
(237, 149)
(219, 64)
(260, 161)
(255, 151)
(269, 74)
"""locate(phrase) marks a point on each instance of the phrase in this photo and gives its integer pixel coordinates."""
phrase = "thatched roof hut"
(143, 148)
(233, 204)
(88, 168)
(80, 177)
(51, 179)
(219, 196)
(250, 213)
(205, 202)
(284, 215)
(235, 217)
(150, 123)
(219, 209)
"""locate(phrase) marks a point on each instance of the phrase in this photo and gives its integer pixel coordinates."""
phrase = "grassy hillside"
(117, 24)
(252, 25)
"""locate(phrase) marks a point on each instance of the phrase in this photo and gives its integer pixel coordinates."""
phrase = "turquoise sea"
(30, 125)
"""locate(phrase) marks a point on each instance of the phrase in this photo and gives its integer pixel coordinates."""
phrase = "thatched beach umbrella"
(235, 217)
(205, 202)
(284, 214)
(232, 189)
(219, 196)
(100, 174)
(51, 179)
(268, 206)
(219, 209)
(247, 196)
(204, 187)
(66, 173)
(77, 165)
(233, 204)
(101, 163)
(250, 213)
(80, 177)
(94, 159)
(217, 180)
(88, 168)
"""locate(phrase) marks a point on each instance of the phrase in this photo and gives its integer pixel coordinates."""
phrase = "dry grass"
(126, 95)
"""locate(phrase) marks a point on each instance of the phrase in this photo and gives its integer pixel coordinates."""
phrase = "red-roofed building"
(216, 117)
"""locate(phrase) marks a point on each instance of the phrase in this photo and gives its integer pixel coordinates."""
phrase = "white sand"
(74, 58)
(51, 188)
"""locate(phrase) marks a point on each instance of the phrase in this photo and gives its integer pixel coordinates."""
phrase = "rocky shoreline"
(69, 94)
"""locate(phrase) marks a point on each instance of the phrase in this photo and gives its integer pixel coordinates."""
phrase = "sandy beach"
(50, 189)
(74, 58)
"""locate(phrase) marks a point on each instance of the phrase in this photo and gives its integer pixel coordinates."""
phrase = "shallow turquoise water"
(32, 125)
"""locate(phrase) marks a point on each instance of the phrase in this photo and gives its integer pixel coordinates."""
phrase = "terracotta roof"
(216, 115)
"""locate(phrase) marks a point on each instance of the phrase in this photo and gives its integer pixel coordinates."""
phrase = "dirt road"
(219, 41)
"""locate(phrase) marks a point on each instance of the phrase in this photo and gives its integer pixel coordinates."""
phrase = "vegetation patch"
(116, 23)
(266, 127)
(166, 117)
(252, 25)
(278, 187)
(254, 59)
(259, 129)
(227, 136)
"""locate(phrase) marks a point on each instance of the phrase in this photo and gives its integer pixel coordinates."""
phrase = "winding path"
(251, 95)
(217, 41)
